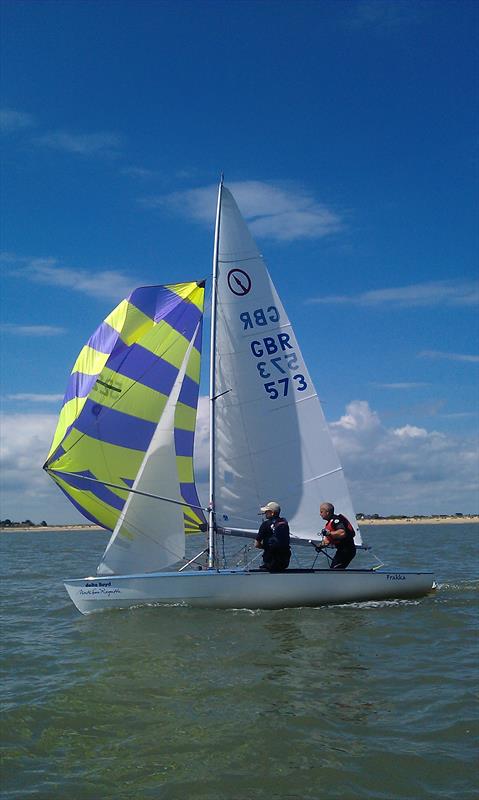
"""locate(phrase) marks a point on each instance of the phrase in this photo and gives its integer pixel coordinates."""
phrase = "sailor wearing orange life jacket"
(339, 533)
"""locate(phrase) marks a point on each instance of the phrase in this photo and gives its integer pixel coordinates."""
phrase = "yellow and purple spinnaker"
(118, 389)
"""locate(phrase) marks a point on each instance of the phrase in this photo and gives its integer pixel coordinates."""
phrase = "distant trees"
(362, 516)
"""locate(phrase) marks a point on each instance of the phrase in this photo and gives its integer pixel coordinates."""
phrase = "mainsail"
(118, 413)
(272, 440)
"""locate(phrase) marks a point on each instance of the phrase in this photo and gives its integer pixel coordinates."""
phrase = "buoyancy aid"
(337, 522)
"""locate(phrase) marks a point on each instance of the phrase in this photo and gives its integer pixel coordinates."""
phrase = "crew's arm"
(259, 541)
(336, 535)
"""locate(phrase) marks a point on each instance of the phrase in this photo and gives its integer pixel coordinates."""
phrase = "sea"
(373, 701)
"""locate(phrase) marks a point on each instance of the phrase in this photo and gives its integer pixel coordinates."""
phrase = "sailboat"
(123, 449)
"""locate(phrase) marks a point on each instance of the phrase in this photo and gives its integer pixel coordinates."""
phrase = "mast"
(211, 513)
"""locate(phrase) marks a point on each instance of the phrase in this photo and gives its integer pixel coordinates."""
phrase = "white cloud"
(31, 330)
(359, 417)
(27, 492)
(273, 212)
(432, 293)
(405, 470)
(410, 432)
(84, 144)
(110, 284)
(11, 121)
(438, 354)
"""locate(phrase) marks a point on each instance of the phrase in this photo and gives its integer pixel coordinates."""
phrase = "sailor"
(273, 539)
(339, 533)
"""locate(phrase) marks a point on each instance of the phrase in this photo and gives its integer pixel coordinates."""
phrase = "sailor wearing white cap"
(273, 539)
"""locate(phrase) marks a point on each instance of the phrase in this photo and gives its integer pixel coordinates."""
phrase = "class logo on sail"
(239, 282)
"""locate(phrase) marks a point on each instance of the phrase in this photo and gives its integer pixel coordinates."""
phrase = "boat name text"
(98, 583)
(396, 577)
(94, 591)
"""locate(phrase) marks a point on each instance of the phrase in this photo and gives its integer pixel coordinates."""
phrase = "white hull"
(245, 589)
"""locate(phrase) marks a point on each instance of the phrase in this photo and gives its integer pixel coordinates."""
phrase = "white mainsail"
(150, 532)
(272, 440)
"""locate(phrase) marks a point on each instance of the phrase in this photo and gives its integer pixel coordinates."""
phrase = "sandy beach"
(362, 522)
(40, 528)
(419, 520)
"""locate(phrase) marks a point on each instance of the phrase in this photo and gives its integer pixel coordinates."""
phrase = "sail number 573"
(280, 387)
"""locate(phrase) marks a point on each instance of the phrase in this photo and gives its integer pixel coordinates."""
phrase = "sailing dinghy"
(123, 448)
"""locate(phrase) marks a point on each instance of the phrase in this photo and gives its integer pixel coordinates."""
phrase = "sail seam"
(238, 260)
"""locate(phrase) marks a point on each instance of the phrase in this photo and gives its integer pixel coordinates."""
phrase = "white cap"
(271, 506)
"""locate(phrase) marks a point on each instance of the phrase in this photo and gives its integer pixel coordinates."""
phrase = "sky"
(348, 133)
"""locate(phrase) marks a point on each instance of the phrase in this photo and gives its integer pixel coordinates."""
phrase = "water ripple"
(366, 701)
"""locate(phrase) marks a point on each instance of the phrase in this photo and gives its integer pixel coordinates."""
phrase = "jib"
(259, 317)
(270, 345)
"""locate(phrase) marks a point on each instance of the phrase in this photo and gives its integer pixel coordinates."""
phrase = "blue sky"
(348, 132)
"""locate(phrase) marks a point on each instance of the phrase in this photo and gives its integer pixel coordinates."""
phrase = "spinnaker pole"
(211, 513)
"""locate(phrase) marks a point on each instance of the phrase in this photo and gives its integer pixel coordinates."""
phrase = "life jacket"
(331, 526)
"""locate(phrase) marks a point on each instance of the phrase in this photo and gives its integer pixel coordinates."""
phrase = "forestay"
(272, 440)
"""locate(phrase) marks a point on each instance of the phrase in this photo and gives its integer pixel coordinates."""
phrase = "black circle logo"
(239, 281)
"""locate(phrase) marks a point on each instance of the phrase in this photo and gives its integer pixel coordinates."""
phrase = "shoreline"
(361, 522)
(473, 518)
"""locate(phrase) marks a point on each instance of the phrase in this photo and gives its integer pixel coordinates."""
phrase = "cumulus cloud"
(404, 470)
(83, 144)
(455, 292)
(273, 212)
(109, 284)
(407, 469)
(27, 492)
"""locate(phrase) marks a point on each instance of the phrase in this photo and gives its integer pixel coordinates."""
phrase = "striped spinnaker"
(118, 389)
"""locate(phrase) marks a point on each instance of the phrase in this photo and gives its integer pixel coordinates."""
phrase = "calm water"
(361, 701)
